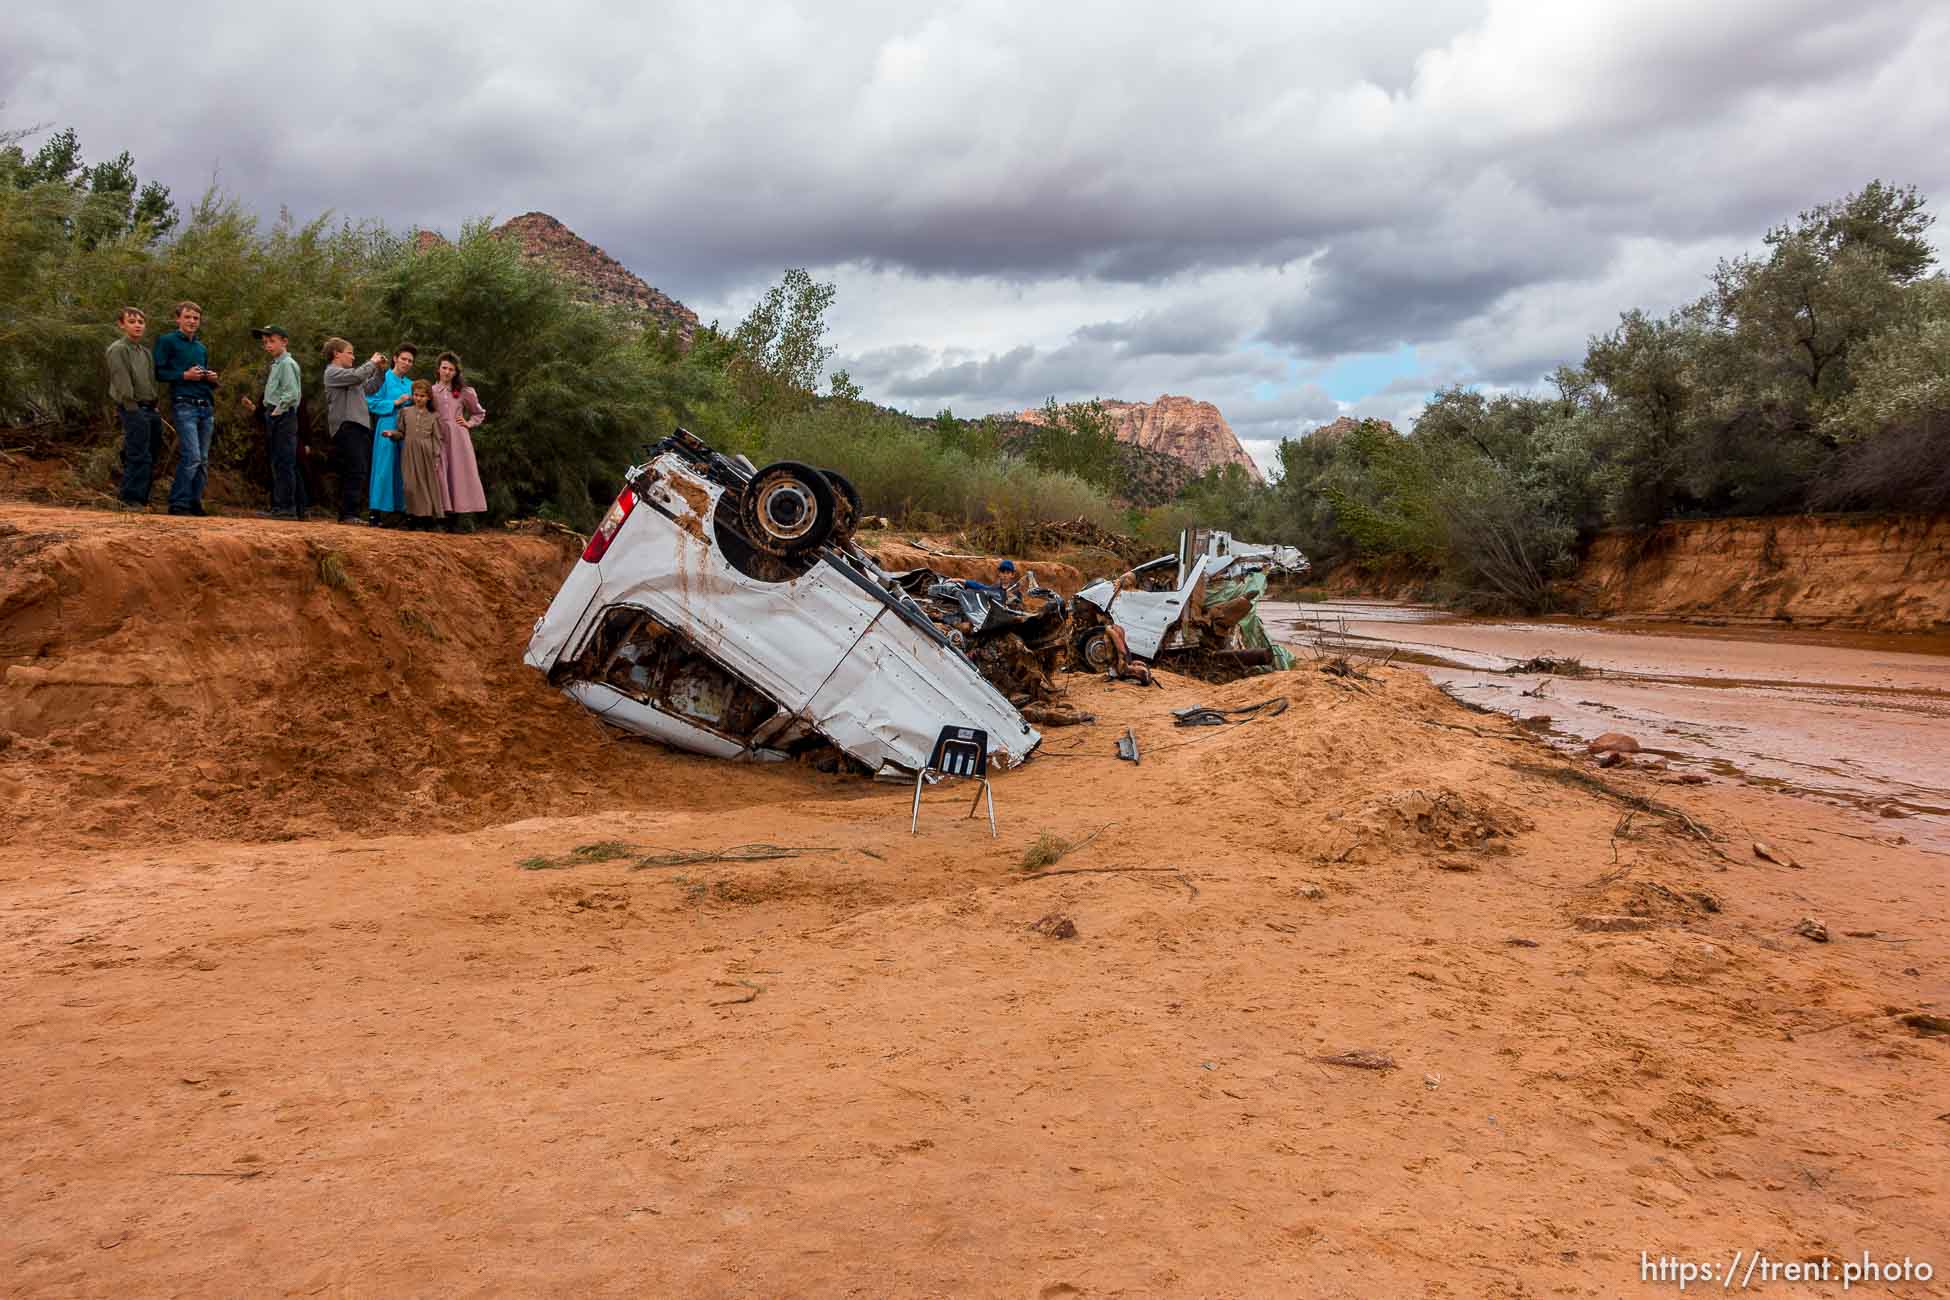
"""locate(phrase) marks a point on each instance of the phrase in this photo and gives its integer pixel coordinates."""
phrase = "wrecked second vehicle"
(1197, 610)
(723, 608)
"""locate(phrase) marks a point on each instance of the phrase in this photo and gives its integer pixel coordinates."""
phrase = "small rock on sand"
(1056, 926)
(1613, 742)
(1809, 928)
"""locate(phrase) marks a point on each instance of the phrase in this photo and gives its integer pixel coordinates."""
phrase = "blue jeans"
(141, 444)
(195, 419)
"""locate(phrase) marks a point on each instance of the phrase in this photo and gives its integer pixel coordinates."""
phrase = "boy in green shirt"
(132, 387)
(281, 393)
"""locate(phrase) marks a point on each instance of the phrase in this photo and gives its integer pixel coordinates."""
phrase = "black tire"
(1093, 652)
(847, 506)
(787, 509)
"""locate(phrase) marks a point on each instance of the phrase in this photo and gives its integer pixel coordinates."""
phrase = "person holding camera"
(349, 418)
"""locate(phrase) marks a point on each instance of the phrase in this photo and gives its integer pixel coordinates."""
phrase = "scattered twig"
(736, 853)
(1585, 781)
(1360, 1059)
(1048, 850)
(738, 1002)
(1096, 871)
(1866, 839)
(239, 1174)
(1474, 731)
(1792, 1036)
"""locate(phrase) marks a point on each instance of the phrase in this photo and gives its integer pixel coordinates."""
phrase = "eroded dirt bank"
(385, 1057)
(227, 678)
(1888, 572)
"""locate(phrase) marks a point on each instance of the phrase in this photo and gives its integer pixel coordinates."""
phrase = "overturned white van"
(723, 609)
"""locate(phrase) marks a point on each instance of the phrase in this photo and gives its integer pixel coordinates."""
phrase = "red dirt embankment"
(1883, 573)
(241, 679)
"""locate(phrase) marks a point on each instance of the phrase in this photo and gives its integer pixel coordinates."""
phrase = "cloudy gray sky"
(1293, 210)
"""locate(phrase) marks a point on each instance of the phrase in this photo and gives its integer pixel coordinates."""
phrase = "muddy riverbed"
(1859, 719)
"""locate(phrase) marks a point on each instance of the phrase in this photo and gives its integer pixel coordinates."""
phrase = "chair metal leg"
(991, 797)
(978, 801)
(914, 823)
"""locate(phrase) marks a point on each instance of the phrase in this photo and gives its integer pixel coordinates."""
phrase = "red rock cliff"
(1190, 430)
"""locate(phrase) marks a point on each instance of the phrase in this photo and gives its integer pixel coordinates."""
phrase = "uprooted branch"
(1585, 781)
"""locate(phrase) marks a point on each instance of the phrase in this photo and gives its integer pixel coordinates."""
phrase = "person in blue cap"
(1005, 576)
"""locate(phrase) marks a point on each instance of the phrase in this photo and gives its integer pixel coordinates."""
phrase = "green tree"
(780, 348)
(1077, 438)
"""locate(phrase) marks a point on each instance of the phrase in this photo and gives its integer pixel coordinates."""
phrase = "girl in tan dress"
(422, 474)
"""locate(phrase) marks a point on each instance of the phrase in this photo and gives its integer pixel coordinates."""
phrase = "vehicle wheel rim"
(1096, 652)
(786, 510)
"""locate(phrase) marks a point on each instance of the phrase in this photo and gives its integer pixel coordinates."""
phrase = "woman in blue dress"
(387, 496)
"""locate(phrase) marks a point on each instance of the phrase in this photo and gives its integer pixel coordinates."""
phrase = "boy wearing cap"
(282, 388)
(1005, 573)
(132, 387)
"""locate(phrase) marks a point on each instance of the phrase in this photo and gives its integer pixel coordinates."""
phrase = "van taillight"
(606, 531)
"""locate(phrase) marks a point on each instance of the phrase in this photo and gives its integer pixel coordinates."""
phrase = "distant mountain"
(602, 278)
(605, 280)
(1338, 429)
(1190, 431)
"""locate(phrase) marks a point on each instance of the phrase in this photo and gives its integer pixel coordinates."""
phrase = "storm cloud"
(1019, 201)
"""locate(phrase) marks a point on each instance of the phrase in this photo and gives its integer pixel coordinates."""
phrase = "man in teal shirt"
(282, 388)
(182, 362)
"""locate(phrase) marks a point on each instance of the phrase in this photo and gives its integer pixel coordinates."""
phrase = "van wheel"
(848, 512)
(1093, 652)
(787, 509)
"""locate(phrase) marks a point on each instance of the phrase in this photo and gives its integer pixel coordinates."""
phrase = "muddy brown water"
(1850, 717)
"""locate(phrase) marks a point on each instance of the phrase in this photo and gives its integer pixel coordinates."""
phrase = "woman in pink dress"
(458, 411)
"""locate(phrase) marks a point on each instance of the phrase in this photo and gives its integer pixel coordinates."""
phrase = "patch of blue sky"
(1351, 378)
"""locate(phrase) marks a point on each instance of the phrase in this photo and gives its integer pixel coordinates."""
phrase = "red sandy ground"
(283, 1014)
